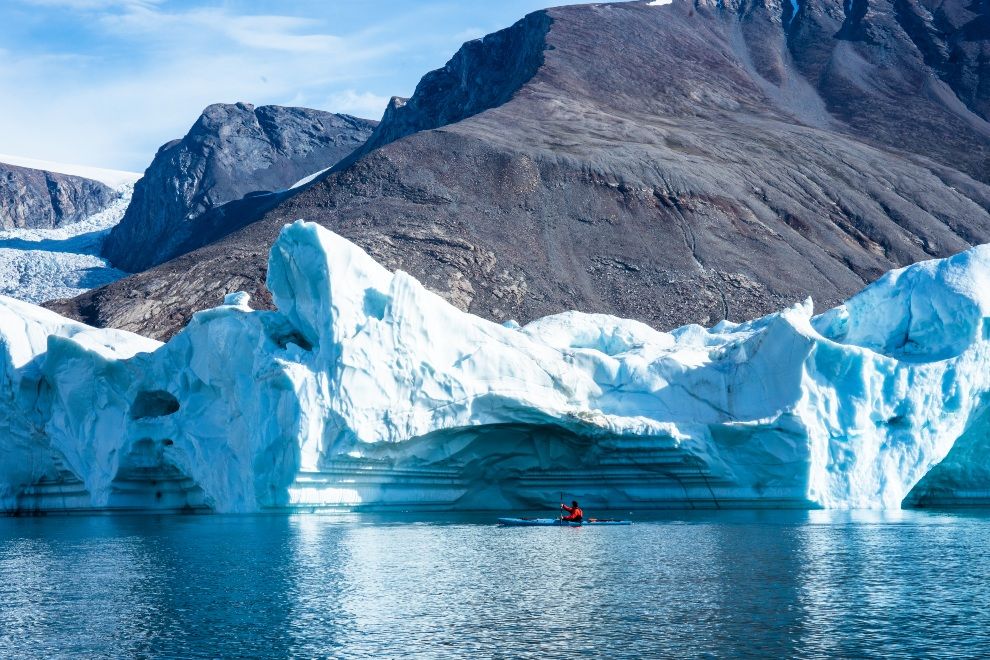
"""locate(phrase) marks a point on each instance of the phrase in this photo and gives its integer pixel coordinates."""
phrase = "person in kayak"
(576, 514)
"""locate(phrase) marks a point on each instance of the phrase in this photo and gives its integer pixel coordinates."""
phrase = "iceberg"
(365, 389)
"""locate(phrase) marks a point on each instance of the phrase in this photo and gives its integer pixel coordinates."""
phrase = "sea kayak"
(557, 522)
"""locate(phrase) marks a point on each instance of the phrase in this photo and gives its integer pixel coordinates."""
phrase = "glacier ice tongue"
(38, 265)
(365, 388)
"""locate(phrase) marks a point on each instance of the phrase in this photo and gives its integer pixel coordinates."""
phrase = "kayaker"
(576, 514)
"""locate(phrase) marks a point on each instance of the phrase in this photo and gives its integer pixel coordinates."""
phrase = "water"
(770, 584)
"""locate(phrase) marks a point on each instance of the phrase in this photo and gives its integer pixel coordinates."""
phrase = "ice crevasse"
(364, 388)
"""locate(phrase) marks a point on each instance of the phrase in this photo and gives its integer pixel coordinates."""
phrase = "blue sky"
(106, 82)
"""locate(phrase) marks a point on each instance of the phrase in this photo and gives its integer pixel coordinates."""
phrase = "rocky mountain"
(39, 199)
(231, 151)
(679, 163)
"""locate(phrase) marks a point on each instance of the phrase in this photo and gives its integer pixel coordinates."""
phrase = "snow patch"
(658, 3)
(308, 179)
(795, 8)
(112, 178)
(237, 299)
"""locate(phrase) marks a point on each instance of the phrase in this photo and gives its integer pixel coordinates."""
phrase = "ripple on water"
(794, 584)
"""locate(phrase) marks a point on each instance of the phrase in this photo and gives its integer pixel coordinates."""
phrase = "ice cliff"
(364, 388)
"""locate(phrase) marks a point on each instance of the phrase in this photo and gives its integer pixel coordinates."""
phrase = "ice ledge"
(366, 389)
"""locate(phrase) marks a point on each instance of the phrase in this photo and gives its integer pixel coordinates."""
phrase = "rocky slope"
(38, 199)
(680, 163)
(231, 151)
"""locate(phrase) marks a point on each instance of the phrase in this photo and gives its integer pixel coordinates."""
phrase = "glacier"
(38, 265)
(365, 389)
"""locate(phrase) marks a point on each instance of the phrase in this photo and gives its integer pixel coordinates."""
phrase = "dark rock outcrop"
(41, 199)
(483, 74)
(682, 163)
(231, 151)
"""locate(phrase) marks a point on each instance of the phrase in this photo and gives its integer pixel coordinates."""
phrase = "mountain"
(33, 198)
(690, 162)
(232, 150)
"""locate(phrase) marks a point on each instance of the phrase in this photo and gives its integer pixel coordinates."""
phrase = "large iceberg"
(366, 389)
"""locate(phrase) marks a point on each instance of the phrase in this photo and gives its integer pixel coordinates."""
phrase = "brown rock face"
(40, 199)
(684, 163)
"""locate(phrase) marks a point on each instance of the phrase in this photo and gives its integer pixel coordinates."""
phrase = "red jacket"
(577, 515)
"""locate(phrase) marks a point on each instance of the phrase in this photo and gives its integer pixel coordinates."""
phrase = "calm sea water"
(770, 584)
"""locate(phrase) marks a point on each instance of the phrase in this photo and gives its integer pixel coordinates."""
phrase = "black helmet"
(573, 502)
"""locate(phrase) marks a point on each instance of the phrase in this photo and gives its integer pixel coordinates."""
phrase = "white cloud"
(105, 82)
(469, 34)
(359, 104)
(86, 112)
(90, 5)
(269, 32)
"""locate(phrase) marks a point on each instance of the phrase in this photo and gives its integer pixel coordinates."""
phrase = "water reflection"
(319, 563)
(900, 584)
(44, 581)
(771, 584)
(23, 599)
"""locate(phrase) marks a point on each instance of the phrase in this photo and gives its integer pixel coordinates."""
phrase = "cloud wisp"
(104, 82)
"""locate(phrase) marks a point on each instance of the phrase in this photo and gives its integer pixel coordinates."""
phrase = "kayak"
(557, 522)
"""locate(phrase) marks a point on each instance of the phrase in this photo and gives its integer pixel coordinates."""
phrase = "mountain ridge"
(674, 164)
(40, 199)
(230, 151)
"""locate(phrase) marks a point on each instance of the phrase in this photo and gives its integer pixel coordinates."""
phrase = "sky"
(106, 82)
